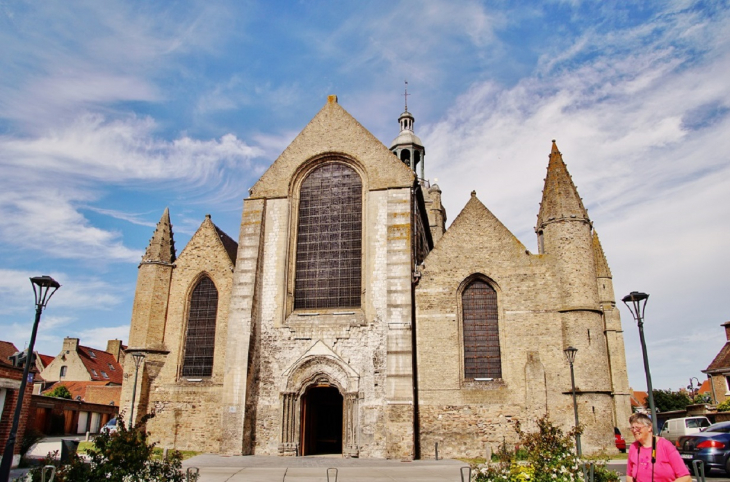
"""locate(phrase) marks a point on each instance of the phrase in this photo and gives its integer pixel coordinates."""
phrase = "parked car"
(110, 427)
(712, 447)
(620, 442)
(678, 427)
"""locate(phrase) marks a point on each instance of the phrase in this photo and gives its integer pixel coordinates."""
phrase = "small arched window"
(62, 374)
(200, 336)
(329, 239)
(482, 357)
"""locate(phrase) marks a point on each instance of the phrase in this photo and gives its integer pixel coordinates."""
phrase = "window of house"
(727, 383)
(103, 374)
(92, 354)
(329, 239)
(111, 367)
(93, 372)
(482, 357)
(63, 371)
(200, 336)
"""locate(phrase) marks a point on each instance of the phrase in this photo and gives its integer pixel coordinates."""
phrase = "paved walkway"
(215, 468)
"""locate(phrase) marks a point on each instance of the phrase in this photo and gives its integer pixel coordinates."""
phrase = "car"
(711, 446)
(678, 427)
(110, 427)
(620, 442)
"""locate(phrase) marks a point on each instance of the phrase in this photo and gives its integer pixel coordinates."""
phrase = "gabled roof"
(229, 244)
(560, 199)
(98, 363)
(7, 349)
(333, 131)
(45, 359)
(721, 363)
(639, 399)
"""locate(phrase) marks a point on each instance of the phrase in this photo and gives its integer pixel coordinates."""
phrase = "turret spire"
(407, 146)
(560, 199)
(162, 245)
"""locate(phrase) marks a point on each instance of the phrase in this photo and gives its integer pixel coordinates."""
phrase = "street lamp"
(636, 302)
(138, 357)
(691, 387)
(43, 288)
(570, 355)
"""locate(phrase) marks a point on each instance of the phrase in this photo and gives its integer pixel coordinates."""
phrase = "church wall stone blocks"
(348, 320)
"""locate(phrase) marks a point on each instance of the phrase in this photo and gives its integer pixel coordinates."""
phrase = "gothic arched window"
(482, 358)
(200, 336)
(329, 239)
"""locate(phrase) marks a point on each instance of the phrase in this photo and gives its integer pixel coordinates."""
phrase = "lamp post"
(636, 303)
(43, 288)
(691, 387)
(570, 355)
(138, 357)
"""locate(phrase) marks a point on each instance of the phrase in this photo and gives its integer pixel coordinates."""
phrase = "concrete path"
(215, 468)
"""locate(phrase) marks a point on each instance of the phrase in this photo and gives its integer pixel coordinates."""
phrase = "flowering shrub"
(550, 458)
(724, 406)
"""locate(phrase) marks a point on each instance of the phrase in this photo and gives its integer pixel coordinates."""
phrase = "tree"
(667, 400)
(59, 391)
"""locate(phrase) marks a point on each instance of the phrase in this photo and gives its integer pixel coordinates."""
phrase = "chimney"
(727, 330)
(114, 347)
(70, 344)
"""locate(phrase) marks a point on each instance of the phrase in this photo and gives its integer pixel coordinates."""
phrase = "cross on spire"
(406, 96)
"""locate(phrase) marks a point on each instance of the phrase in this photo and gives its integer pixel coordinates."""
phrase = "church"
(346, 319)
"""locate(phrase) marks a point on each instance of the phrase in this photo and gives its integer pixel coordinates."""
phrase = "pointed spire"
(560, 199)
(162, 245)
(602, 269)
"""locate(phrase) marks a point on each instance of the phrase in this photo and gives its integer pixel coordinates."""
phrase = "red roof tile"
(6, 349)
(721, 361)
(639, 399)
(46, 359)
(77, 389)
(100, 363)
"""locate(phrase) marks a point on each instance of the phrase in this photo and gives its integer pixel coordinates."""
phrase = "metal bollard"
(465, 470)
(437, 450)
(699, 470)
(588, 471)
(328, 474)
(192, 474)
(46, 469)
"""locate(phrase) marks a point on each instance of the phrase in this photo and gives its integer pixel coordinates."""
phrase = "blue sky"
(112, 111)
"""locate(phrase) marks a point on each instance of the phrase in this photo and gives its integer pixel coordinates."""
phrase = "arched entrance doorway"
(321, 422)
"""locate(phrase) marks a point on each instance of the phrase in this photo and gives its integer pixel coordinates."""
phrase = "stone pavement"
(214, 468)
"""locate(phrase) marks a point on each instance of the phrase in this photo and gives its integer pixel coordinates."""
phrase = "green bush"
(549, 458)
(60, 391)
(120, 457)
(724, 406)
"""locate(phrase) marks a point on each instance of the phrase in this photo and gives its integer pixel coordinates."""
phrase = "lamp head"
(636, 303)
(570, 354)
(138, 357)
(43, 289)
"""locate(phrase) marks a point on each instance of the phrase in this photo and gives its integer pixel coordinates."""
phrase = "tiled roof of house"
(638, 399)
(46, 359)
(721, 361)
(705, 387)
(102, 366)
(6, 349)
(77, 389)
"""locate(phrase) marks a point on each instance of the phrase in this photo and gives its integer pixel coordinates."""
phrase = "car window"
(696, 423)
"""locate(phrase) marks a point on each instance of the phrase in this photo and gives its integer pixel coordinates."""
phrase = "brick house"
(10, 378)
(719, 370)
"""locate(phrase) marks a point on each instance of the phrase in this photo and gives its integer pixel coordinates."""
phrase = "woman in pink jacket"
(651, 458)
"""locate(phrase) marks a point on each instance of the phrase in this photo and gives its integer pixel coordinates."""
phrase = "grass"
(156, 453)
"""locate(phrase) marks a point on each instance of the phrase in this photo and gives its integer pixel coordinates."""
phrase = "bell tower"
(407, 146)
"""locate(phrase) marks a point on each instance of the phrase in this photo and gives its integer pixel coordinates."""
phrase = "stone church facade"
(348, 320)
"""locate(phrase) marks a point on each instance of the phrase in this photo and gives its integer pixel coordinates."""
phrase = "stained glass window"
(329, 239)
(482, 358)
(200, 337)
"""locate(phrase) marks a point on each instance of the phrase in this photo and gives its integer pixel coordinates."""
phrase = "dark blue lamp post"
(43, 287)
(636, 302)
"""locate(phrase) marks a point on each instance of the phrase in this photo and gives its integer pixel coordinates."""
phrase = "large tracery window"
(200, 338)
(482, 358)
(329, 239)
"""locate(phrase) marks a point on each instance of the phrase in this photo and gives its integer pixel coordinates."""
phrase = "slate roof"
(7, 349)
(560, 199)
(229, 244)
(98, 363)
(721, 363)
